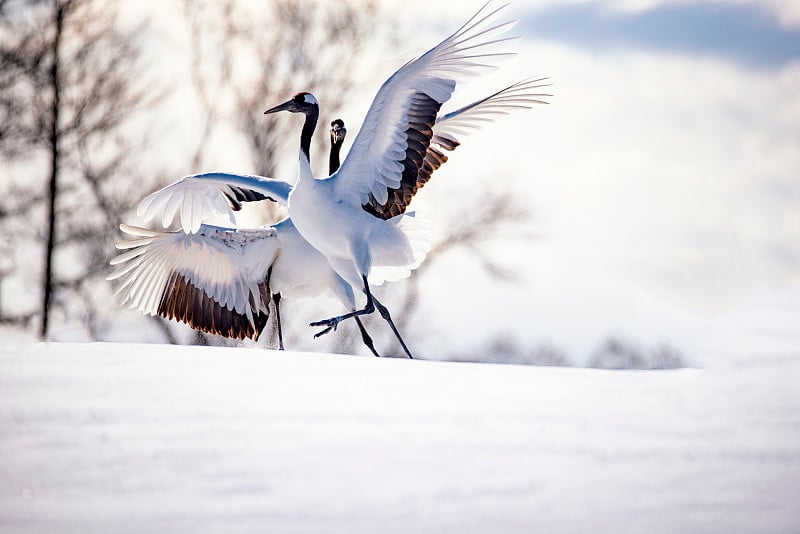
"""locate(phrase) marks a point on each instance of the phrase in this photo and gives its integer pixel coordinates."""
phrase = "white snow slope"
(111, 438)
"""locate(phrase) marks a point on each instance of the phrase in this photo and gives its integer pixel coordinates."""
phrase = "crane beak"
(286, 106)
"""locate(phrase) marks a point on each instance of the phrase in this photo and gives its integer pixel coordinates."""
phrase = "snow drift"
(147, 438)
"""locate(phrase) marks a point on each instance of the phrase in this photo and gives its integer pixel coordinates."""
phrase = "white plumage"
(375, 162)
(229, 265)
(214, 280)
(200, 197)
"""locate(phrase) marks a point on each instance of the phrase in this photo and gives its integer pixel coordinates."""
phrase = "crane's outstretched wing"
(197, 198)
(396, 133)
(521, 95)
(215, 280)
(446, 132)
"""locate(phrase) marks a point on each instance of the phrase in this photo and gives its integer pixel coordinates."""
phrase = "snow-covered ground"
(146, 438)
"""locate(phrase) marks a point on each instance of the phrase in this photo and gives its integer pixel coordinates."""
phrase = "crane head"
(299, 103)
(338, 131)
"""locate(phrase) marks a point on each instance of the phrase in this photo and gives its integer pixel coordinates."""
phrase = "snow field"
(149, 438)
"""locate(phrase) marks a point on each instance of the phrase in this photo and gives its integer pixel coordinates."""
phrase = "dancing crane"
(357, 216)
(217, 279)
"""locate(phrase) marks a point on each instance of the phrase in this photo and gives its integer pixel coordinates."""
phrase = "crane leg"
(276, 298)
(384, 311)
(365, 337)
(333, 322)
(372, 303)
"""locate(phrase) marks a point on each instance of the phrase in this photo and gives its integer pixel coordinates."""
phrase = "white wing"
(214, 280)
(445, 137)
(197, 198)
(397, 129)
(521, 95)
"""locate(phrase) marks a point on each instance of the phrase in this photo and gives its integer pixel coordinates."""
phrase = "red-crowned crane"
(357, 217)
(219, 280)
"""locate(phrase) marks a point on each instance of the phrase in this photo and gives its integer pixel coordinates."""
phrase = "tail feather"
(396, 264)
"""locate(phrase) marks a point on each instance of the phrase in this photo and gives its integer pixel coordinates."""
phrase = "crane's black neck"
(333, 162)
(308, 131)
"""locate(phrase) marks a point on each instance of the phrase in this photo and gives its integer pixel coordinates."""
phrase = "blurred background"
(648, 217)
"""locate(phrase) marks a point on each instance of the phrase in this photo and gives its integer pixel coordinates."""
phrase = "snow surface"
(147, 438)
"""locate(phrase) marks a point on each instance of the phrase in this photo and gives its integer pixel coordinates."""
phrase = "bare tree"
(618, 353)
(479, 223)
(245, 58)
(69, 82)
(504, 348)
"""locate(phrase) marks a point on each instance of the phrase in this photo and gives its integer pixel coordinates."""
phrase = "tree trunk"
(54, 167)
